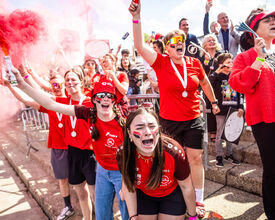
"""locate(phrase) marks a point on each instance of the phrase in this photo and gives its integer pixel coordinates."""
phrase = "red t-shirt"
(176, 167)
(173, 106)
(83, 139)
(56, 134)
(110, 138)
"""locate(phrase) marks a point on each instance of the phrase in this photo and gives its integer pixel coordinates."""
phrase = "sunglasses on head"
(56, 85)
(175, 40)
(102, 95)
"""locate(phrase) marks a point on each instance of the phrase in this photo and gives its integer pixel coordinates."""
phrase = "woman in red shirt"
(178, 79)
(155, 171)
(253, 75)
(105, 127)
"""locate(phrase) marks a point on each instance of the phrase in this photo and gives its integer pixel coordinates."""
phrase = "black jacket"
(225, 95)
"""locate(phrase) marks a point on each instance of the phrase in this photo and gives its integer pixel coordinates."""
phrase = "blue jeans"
(108, 183)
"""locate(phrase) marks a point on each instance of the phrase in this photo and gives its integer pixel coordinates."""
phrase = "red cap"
(259, 17)
(104, 85)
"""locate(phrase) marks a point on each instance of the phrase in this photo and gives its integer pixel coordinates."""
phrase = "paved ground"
(15, 200)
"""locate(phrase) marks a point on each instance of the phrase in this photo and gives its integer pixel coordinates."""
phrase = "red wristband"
(136, 21)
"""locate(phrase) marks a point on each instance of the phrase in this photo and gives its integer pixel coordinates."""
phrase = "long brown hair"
(128, 162)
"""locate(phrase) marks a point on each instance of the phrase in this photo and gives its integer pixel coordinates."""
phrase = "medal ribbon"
(73, 118)
(183, 81)
(59, 116)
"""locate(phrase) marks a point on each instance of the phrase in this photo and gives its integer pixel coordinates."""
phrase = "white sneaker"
(66, 213)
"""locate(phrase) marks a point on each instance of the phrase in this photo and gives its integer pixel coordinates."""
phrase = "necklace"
(146, 160)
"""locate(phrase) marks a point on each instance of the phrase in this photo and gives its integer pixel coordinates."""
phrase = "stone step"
(246, 177)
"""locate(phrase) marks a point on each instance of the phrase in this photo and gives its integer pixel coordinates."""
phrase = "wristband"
(26, 76)
(194, 217)
(215, 102)
(136, 21)
(133, 216)
(260, 59)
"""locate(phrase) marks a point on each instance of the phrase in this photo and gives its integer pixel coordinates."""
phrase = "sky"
(110, 19)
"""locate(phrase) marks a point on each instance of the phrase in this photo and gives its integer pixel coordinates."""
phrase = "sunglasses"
(102, 95)
(90, 64)
(175, 40)
(56, 85)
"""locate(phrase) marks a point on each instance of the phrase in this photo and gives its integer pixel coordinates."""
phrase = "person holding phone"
(178, 78)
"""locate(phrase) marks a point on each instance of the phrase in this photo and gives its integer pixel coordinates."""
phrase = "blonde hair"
(204, 41)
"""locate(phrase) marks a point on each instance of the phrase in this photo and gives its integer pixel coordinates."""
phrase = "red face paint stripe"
(136, 134)
(155, 130)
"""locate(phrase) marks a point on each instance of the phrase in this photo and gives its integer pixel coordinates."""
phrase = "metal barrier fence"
(35, 125)
(151, 100)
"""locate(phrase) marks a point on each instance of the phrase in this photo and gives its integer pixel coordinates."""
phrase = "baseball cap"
(259, 17)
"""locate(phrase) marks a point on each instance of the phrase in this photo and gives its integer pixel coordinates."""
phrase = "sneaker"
(66, 213)
(219, 162)
(233, 160)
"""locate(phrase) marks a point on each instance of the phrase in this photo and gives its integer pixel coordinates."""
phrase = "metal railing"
(36, 127)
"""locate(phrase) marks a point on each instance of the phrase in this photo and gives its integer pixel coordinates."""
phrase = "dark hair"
(93, 115)
(122, 67)
(128, 165)
(183, 19)
(223, 57)
(247, 39)
(125, 51)
(160, 45)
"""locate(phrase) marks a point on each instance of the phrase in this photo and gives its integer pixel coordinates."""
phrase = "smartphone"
(136, 1)
(125, 36)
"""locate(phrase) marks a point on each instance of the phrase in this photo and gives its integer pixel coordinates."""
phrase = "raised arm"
(21, 96)
(42, 97)
(148, 54)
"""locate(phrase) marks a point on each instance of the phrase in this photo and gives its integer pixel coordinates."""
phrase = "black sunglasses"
(101, 95)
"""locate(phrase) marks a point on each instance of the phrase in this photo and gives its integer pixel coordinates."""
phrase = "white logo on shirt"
(138, 179)
(165, 181)
(110, 135)
(110, 143)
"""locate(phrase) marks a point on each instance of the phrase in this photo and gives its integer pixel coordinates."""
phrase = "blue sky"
(110, 18)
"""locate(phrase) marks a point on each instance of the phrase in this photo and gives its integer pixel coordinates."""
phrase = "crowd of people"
(151, 158)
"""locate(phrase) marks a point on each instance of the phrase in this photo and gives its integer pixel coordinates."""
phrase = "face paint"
(155, 131)
(136, 134)
(98, 100)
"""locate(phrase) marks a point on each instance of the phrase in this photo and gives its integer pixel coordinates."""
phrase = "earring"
(131, 140)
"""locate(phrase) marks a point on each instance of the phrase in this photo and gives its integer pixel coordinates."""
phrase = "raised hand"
(134, 9)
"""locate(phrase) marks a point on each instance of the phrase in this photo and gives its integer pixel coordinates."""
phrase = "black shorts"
(172, 204)
(60, 163)
(82, 166)
(187, 133)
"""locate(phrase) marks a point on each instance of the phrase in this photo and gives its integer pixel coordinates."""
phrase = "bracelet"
(214, 102)
(133, 216)
(192, 217)
(136, 21)
(26, 76)
(260, 59)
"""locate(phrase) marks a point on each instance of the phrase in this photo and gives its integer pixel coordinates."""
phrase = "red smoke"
(19, 30)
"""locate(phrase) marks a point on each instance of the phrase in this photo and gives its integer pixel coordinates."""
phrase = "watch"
(215, 102)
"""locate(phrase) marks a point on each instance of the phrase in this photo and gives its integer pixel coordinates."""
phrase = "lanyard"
(183, 81)
(73, 118)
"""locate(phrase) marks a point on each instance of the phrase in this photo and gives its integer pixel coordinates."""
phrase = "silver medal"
(73, 134)
(184, 94)
(60, 125)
